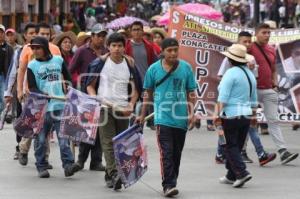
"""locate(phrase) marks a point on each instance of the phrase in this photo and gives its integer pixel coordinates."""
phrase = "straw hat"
(155, 18)
(81, 37)
(121, 31)
(160, 31)
(63, 35)
(147, 30)
(238, 52)
(271, 23)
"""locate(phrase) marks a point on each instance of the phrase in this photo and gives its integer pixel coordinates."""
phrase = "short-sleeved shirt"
(234, 92)
(170, 98)
(48, 77)
(264, 80)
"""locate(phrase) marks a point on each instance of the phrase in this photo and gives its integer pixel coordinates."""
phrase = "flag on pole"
(31, 119)
(80, 118)
(130, 155)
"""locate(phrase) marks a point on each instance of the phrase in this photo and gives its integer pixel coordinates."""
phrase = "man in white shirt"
(118, 87)
(244, 38)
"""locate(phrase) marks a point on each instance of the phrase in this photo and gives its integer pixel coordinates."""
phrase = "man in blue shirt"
(174, 100)
(45, 75)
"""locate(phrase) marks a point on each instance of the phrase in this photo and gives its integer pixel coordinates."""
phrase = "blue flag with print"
(31, 119)
(80, 118)
(130, 155)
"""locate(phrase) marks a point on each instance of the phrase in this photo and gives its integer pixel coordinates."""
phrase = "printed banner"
(31, 120)
(80, 118)
(201, 41)
(3, 115)
(131, 155)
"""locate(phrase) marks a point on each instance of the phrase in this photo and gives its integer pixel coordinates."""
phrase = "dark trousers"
(170, 142)
(96, 152)
(235, 130)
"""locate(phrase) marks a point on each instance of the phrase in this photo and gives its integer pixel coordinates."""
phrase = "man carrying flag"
(45, 75)
(115, 81)
(171, 84)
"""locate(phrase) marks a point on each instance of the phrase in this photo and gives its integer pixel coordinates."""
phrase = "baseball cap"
(10, 30)
(97, 28)
(2, 27)
(169, 42)
(39, 41)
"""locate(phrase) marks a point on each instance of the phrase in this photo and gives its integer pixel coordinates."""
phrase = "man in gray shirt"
(143, 54)
(140, 49)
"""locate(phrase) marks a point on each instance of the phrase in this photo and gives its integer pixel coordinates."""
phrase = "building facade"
(16, 13)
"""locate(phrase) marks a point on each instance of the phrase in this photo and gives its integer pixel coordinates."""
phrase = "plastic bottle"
(221, 135)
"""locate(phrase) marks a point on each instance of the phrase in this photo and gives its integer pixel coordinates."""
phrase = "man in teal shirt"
(174, 100)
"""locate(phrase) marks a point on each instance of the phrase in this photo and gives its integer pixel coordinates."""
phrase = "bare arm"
(191, 99)
(20, 79)
(91, 88)
(147, 98)
(274, 78)
(218, 108)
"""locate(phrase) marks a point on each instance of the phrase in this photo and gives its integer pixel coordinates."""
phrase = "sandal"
(210, 127)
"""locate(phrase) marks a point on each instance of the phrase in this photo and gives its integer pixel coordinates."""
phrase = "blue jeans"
(253, 134)
(2, 89)
(51, 123)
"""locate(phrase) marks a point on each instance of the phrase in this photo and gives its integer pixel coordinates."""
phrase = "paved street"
(198, 178)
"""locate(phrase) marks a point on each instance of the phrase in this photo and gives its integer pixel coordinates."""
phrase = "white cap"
(2, 27)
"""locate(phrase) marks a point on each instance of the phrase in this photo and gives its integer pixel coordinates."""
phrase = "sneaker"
(287, 157)
(70, 170)
(16, 155)
(264, 132)
(245, 158)
(240, 182)
(117, 182)
(266, 158)
(108, 180)
(296, 127)
(170, 192)
(225, 180)
(99, 167)
(198, 124)
(49, 166)
(220, 159)
(44, 174)
(9, 119)
(210, 127)
(23, 159)
(80, 165)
